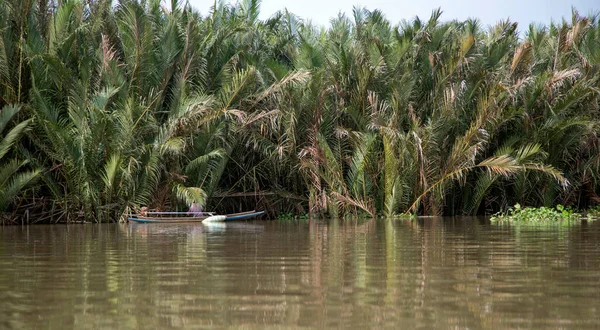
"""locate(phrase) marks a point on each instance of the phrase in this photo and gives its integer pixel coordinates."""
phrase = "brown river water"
(432, 273)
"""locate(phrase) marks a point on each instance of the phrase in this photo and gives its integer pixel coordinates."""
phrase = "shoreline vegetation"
(544, 215)
(108, 106)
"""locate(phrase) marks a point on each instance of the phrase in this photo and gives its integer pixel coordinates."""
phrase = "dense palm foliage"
(12, 178)
(129, 103)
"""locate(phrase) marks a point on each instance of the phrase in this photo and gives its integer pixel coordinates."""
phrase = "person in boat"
(195, 210)
(144, 211)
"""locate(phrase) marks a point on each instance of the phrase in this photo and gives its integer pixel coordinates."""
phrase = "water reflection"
(429, 273)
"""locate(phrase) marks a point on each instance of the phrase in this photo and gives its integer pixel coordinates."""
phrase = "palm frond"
(203, 159)
(7, 112)
(15, 185)
(190, 195)
(12, 136)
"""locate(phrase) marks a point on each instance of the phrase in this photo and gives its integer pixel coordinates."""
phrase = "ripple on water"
(392, 274)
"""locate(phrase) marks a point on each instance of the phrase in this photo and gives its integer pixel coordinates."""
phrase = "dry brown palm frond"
(296, 77)
(560, 76)
(519, 85)
(522, 56)
(432, 60)
(449, 97)
(309, 152)
(258, 116)
(235, 114)
(108, 52)
(345, 201)
(577, 31)
(380, 116)
(380, 119)
(376, 106)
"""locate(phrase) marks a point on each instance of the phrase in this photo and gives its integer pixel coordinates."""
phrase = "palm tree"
(13, 179)
(129, 104)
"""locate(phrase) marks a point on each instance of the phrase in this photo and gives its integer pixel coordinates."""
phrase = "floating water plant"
(537, 215)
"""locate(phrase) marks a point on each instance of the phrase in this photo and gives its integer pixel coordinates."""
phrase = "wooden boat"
(205, 216)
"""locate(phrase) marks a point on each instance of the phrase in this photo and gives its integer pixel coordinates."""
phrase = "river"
(432, 273)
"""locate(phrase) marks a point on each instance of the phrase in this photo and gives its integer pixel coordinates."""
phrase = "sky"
(488, 11)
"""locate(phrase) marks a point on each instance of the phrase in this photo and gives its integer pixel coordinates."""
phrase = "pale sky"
(488, 11)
